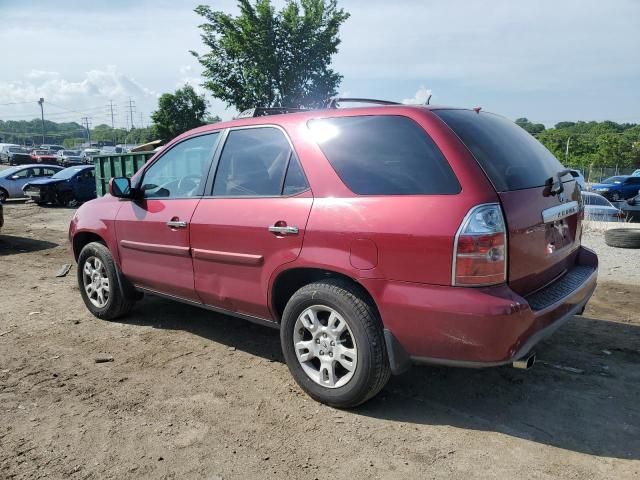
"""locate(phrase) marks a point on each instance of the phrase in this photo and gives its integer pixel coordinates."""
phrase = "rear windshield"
(596, 200)
(511, 158)
(384, 155)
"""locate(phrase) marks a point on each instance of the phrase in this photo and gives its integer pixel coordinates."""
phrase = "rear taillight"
(620, 214)
(480, 248)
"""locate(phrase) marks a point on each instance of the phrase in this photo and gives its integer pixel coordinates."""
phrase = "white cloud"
(420, 98)
(67, 99)
(37, 74)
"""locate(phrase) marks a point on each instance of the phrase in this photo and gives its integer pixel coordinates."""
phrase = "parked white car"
(4, 151)
(636, 173)
(577, 174)
(599, 209)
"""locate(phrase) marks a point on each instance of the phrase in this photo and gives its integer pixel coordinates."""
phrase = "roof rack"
(331, 103)
(264, 111)
(334, 101)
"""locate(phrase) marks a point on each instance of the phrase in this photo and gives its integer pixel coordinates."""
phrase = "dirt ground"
(192, 394)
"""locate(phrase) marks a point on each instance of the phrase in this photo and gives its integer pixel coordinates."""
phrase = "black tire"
(67, 199)
(372, 368)
(622, 237)
(121, 296)
(3, 195)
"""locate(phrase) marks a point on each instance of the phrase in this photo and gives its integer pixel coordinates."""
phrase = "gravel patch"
(615, 264)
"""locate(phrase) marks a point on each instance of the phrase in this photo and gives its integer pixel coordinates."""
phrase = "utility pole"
(566, 153)
(41, 102)
(113, 123)
(131, 106)
(85, 120)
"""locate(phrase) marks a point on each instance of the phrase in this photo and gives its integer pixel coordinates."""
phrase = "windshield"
(15, 150)
(70, 152)
(8, 172)
(614, 180)
(41, 152)
(67, 173)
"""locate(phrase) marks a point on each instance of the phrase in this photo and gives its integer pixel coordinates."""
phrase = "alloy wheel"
(325, 346)
(95, 281)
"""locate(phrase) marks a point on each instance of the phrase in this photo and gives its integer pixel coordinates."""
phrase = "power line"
(17, 103)
(87, 109)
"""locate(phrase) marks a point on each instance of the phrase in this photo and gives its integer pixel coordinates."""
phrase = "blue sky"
(547, 60)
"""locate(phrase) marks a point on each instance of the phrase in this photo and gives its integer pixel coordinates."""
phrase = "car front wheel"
(100, 285)
(333, 343)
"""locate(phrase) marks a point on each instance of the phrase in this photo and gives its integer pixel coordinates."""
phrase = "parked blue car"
(68, 187)
(618, 188)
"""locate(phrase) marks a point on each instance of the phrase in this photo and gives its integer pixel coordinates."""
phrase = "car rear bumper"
(479, 327)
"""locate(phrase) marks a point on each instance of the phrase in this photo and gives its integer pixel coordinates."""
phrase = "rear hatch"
(542, 206)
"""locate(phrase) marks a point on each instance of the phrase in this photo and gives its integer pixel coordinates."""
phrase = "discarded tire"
(622, 237)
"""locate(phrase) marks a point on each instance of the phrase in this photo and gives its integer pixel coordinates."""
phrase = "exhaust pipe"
(525, 362)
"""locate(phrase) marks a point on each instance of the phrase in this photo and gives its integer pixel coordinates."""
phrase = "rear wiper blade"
(551, 182)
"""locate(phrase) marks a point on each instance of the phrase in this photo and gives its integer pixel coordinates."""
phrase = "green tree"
(532, 128)
(178, 112)
(267, 58)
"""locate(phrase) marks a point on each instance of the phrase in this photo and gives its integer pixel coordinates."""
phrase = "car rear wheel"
(100, 285)
(333, 343)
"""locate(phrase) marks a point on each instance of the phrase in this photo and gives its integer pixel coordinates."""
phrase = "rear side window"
(384, 155)
(511, 158)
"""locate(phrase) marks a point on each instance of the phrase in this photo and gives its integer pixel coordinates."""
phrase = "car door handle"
(176, 224)
(283, 230)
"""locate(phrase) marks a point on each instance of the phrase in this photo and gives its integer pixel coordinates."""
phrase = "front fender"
(95, 218)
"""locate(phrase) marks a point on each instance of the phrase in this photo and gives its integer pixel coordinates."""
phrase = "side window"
(48, 171)
(85, 175)
(24, 173)
(253, 163)
(294, 181)
(181, 171)
(384, 155)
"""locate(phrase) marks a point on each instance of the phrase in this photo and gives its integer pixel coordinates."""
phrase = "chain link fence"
(597, 174)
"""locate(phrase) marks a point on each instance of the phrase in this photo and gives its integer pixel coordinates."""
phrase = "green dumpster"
(118, 165)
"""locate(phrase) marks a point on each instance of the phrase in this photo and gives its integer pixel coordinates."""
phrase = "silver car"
(13, 179)
(598, 208)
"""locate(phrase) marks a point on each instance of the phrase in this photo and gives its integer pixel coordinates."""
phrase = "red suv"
(372, 237)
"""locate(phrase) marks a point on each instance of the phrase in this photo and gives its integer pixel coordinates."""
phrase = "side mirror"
(120, 187)
(14, 177)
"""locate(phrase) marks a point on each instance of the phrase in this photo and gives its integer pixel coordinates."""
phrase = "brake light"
(480, 248)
